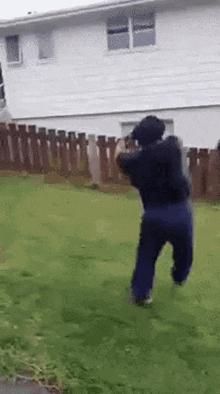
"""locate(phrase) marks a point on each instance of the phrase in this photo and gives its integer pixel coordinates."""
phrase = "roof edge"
(99, 7)
(79, 10)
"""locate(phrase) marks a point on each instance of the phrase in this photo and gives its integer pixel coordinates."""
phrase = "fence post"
(83, 156)
(44, 149)
(15, 147)
(194, 172)
(53, 146)
(214, 175)
(27, 166)
(94, 164)
(63, 153)
(185, 166)
(203, 169)
(35, 149)
(5, 163)
(112, 163)
(103, 159)
(73, 152)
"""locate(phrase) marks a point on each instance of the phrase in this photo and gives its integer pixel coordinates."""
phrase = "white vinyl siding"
(180, 71)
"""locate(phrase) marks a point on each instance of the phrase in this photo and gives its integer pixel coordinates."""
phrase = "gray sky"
(16, 8)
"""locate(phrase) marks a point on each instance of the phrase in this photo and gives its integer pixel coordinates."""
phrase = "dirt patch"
(53, 177)
(10, 173)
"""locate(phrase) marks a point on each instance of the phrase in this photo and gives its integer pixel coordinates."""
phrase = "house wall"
(197, 127)
(84, 78)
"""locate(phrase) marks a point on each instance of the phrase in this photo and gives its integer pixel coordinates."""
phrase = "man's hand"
(120, 148)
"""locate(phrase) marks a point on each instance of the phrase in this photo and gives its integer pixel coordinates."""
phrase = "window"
(128, 127)
(128, 33)
(45, 46)
(12, 49)
(2, 90)
(143, 31)
(118, 34)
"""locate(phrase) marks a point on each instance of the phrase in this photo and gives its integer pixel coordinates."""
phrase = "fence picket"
(214, 176)
(26, 165)
(53, 146)
(104, 170)
(194, 172)
(203, 168)
(73, 152)
(114, 173)
(44, 150)
(34, 149)
(5, 156)
(63, 153)
(83, 156)
(14, 134)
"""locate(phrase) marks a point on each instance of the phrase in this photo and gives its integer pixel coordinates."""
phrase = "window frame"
(51, 39)
(126, 33)
(2, 86)
(11, 62)
(151, 17)
(2, 99)
(169, 124)
(133, 48)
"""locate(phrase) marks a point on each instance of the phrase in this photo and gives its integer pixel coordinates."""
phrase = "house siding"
(84, 78)
(197, 127)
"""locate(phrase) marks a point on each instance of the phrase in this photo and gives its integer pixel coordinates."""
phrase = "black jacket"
(156, 171)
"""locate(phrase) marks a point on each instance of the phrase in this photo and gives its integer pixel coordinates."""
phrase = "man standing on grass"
(156, 170)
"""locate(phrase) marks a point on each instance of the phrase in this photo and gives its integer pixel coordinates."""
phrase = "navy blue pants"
(171, 223)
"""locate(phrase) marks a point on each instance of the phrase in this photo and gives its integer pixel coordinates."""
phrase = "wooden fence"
(22, 148)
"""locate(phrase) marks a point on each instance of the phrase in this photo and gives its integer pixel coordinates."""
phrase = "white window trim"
(133, 123)
(45, 61)
(130, 24)
(20, 61)
(143, 49)
(2, 85)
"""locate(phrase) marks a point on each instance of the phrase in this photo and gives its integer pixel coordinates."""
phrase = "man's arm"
(120, 153)
(120, 148)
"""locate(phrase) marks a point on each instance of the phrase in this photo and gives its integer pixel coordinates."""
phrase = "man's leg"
(182, 241)
(150, 245)
(182, 257)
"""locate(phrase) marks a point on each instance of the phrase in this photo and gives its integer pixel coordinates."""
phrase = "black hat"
(149, 130)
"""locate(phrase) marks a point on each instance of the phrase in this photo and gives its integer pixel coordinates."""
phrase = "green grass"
(66, 264)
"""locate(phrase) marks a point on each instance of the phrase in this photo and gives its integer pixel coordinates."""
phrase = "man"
(156, 170)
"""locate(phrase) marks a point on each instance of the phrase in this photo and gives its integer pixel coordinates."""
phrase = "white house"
(100, 69)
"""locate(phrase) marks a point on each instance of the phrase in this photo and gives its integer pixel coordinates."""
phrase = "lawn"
(67, 257)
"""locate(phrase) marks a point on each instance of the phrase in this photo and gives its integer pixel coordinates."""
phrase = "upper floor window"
(2, 90)
(12, 49)
(118, 33)
(45, 46)
(128, 33)
(143, 29)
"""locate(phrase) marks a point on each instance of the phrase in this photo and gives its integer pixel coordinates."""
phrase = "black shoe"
(178, 284)
(148, 300)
